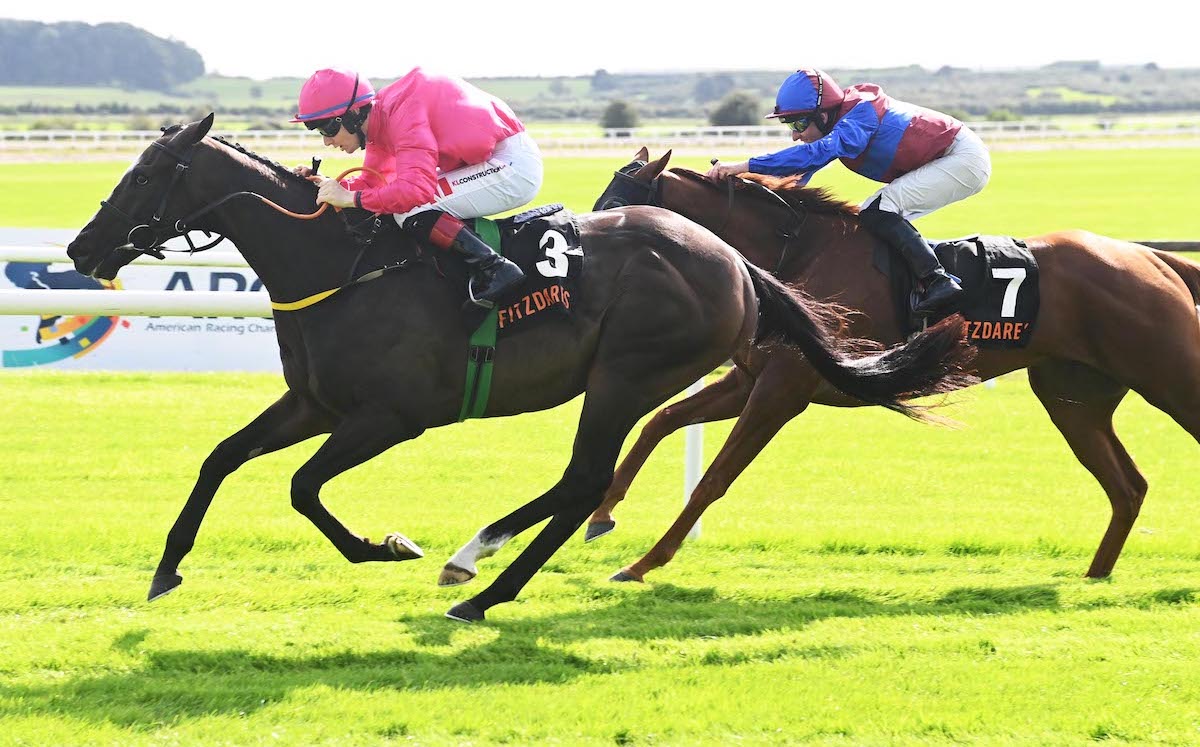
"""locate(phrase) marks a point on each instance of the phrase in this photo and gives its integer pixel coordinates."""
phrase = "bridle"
(652, 192)
(148, 238)
(625, 177)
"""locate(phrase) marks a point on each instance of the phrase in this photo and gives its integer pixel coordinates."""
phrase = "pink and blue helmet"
(806, 91)
(331, 93)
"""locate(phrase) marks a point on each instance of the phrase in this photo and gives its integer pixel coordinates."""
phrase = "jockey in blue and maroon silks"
(926, 160)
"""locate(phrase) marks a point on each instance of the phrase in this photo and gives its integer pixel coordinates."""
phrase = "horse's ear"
(654, 169)
(642, 155)
(196, 131)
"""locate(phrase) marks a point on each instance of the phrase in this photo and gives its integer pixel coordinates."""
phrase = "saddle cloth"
(1000, 282)
(544, 243)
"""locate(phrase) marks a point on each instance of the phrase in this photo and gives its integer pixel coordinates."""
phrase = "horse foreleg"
(780, 394)
(720, 400)
(358, 438)
(1080, 401)
(290, 420)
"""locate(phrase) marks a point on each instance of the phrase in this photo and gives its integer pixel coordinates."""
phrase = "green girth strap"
(482, 350)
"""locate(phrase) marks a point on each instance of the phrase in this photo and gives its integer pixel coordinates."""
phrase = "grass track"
(869, 580)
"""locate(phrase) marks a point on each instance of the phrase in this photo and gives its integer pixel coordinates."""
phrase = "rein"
(787, 234)
(148, 238)
(637, 192)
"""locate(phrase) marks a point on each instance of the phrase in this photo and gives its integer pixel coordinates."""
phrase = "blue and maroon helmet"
(806, 92)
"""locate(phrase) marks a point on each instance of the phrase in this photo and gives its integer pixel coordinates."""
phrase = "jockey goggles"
(327, 127)
(796, 124)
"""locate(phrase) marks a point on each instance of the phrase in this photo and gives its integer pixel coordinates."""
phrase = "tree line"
(740, 98)
(80, 54)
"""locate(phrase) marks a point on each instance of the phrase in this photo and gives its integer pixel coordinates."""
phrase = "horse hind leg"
(614, 402)
(721, 400)
(781, 392)
(1080, 401)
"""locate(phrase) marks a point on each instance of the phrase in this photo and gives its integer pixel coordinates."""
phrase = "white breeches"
(506, 181)
(963, 170)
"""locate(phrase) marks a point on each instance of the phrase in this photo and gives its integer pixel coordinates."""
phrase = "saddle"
(544, 242)
(1000, 298)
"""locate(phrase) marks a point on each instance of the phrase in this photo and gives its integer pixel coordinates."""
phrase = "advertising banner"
(131, 343)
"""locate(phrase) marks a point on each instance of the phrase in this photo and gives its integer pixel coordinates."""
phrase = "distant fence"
(552, 138)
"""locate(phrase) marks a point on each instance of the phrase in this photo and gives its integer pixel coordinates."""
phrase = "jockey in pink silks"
(445, 150)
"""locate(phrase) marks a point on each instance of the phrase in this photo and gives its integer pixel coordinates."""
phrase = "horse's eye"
(141, 180)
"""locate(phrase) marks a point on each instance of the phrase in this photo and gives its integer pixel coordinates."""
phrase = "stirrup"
(480, 302)
(948, 300)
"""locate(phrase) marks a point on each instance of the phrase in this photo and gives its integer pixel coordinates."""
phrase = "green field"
(1130, 193)
(868, 580)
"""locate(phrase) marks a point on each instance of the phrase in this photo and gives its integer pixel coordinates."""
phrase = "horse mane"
(276, 169)
(810, 199)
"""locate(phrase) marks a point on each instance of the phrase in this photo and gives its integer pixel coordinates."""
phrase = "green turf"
(1127, 193)
(868, 581)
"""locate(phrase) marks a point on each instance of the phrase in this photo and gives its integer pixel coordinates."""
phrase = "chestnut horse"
(1114, 316)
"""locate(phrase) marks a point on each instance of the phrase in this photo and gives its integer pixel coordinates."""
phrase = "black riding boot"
(491, 274)
(941, 288)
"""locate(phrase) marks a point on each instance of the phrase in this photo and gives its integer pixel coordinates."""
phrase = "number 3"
(554, 244)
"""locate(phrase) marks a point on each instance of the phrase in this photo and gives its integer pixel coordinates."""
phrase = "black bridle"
(643, 193)
(635, 192)
(148, 238)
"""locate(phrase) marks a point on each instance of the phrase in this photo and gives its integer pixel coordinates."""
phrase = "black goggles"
(327, 127)
(797, 124)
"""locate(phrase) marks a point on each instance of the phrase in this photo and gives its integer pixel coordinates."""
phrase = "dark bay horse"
(377, 363)
(1114, 316)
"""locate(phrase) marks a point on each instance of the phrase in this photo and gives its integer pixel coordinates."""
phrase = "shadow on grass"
(174, 685)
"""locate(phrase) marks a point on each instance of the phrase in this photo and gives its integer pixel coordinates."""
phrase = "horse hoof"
(402, 547)
(465, 612)
(452, 575)
(598, 529)
(623, 576)
(163, 585)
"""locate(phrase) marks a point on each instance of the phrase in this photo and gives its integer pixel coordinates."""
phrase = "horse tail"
(933, 362)
(1186, 269)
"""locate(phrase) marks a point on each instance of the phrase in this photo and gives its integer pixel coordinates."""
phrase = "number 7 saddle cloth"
(999, 277)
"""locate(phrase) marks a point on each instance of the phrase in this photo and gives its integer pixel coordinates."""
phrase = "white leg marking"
(476, 549)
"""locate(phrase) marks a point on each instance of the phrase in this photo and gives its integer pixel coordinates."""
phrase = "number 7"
(1015, 276)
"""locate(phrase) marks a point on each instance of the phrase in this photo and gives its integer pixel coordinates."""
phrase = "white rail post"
(693, 459)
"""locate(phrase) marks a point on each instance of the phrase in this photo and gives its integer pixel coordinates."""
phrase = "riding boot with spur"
(491, 274)
(941, 288)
